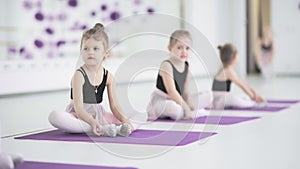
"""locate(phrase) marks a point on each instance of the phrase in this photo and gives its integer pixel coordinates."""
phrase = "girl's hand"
(131, 127)
(130, 124)
(192, 107)
(188, 115)
(259, 99)
(96, 129)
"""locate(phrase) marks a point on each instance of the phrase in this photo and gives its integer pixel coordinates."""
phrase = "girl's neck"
(176, 61)
(231, 66)
(93, 69)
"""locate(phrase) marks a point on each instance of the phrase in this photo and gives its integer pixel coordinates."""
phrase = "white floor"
(272, 142)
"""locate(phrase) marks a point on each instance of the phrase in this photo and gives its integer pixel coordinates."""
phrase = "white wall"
(286, 26)
(221, 21)
(28, 112)
(19, 75)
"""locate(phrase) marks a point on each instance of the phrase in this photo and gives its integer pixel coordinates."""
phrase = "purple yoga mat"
(268, 108)
(46, 165)
(147, 137)
(282, 101)
(273, 105)
(222, 120)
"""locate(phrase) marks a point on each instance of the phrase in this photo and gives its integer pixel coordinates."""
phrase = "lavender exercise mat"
(273, 105)
(146, 137)
(283, 101)
(268, 108)
(222, 120)
(46, 165)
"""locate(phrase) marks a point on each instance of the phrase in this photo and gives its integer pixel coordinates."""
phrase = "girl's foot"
(124, 130)
(109, 130)
(16, 158)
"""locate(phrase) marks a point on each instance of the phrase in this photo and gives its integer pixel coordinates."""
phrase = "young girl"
(171, 98)
(265, 52)
(224, 78)
(85, 112)
(9, 160)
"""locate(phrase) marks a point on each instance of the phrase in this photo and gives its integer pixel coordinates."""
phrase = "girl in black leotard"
(85, 112)
(171, 99)
(227, 75)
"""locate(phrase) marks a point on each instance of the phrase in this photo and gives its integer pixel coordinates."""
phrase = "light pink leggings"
(66, 121)
(9, 160)
(226, 99)
(162, 106)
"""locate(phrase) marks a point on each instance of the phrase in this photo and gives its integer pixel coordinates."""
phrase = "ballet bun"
(220, 47)
(99, 26)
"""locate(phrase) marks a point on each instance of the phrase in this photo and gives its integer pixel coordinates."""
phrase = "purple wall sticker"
(39, 16)
(115, 15)
(50, 22)
(72, 3)
(49, 31)
(38, 43)
(103, 7)
(150, 10)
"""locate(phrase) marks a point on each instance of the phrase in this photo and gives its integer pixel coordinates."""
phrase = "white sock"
(124, 130)
(109, 130)
(17, 158)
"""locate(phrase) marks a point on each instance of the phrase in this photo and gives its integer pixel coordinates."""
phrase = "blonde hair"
(177, 35)
(97, 33)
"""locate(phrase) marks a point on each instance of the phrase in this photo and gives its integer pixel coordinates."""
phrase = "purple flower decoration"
(62, 17)
(103, 7)
(83, 27)
(150, 10)
(49, 31)
(39, 16)
(60, 42)
(28, 56)
(38, 43)
(27, 5)
(137, 2)
(93, 13)
(21, 50)
(115, 15)
(12, 50)
(72, 3)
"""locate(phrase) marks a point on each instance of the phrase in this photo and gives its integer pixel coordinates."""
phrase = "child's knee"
(174, 111)
(53, 116)
(6, 162)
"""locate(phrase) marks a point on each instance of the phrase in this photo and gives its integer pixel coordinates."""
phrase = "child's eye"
(96, 49)
(187, 48)
(179, 47)
(85, 48)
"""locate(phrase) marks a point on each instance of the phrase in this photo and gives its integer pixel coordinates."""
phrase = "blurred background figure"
(264, 54)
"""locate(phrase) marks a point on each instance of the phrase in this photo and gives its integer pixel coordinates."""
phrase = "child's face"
(181, 49)
(235, 60)
(92, 51)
